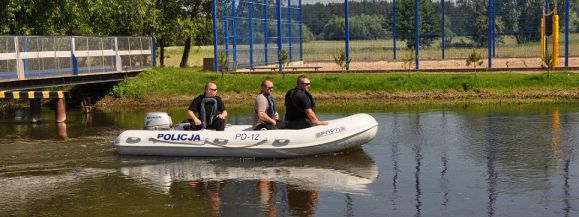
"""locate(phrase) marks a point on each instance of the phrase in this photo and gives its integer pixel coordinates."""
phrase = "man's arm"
(264, 117)
(312, 115)
(221, 106)
(192, 116)
(223, 115)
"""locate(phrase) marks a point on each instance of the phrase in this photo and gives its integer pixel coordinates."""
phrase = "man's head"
(266, 87)
(303, 83)
(210, 89)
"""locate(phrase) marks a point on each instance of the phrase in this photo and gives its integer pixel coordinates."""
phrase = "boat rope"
(215, 142)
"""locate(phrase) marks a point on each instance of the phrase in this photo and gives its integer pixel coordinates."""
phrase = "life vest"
(270, 106)
(212, 102)
(292, 95)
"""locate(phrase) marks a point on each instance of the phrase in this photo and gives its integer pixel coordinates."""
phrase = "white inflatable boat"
(241, 141)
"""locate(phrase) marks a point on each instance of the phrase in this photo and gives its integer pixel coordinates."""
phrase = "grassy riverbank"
(174, 86)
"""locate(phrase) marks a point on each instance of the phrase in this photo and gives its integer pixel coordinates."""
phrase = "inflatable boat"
(346, 173)
(163, 139)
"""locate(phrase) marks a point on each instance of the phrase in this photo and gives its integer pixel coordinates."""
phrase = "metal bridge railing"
(30, 57)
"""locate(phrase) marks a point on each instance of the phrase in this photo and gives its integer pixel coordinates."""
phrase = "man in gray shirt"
(265, 116)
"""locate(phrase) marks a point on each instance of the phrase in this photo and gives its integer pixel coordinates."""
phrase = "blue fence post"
(567, 33)
(489, 35)
(74, 61)
(215, 51)
(289, 29)
(443, 27)
(234, 26)
(417, 30)
(265, 31)
(493, 29)
(251, 33)
(226, 38)
(25, 49)
(154, 50)
(279, 34)
(394, 27)
(301, 33)
(347, 31)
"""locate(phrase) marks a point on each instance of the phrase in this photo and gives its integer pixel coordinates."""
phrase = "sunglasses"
(307, 84)
(213, 89)
(270, 88)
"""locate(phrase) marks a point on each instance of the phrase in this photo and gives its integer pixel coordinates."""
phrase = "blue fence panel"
(39, 67)
(56, 56)
(8, 69)
(247, 31)
(385, 30)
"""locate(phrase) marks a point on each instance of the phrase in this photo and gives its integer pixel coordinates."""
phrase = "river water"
(464, 160)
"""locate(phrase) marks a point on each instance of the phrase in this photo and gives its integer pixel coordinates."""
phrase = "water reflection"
(499, 159)
(349, 173)
(466, 161)
(280, 185)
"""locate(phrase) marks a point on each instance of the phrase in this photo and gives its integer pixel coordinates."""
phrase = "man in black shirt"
(210, 108)
(300, 106)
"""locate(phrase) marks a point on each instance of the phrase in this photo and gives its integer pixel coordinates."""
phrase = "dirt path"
(502, 63)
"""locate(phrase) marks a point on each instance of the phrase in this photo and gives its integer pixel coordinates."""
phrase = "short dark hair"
(301, 79)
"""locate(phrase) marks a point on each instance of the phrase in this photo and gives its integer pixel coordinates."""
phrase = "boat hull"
(239, 141)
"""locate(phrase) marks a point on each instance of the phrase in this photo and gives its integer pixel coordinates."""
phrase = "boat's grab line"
(215, 142)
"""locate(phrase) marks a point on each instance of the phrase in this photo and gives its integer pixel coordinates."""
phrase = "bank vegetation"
(174, 86)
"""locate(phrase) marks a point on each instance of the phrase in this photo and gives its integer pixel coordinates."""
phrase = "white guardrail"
(25, 57)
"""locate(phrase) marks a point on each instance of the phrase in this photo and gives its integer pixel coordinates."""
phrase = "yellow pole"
(542, 49)
(555, 40)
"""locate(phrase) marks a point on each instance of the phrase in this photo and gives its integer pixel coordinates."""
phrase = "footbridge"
(33, 62)
(36, 62)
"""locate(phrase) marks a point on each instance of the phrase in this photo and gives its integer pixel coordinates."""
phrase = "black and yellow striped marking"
(34, 94)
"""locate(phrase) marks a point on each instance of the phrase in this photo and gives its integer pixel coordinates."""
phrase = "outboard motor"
(158, 121)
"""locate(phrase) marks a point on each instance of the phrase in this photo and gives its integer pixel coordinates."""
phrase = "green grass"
(164, 82)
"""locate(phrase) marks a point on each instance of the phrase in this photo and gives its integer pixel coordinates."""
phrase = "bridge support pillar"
(35, 115)
(61, 131)
(60, 113)
(35, 98)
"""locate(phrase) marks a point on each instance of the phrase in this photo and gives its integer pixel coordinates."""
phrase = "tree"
(335, 29)
(307, 35)
(284, 59)
(222, 60)
(367, 27)
(408, 60)
(361, 27)
(477, 21)
(429, 22)
(168, 27)
(196, 24)
(475, 59)
(448, 31)
(521, 18)
(340, 59)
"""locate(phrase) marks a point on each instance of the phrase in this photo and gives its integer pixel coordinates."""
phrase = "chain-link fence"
(248, 34)
(26, 57)
(384, 32)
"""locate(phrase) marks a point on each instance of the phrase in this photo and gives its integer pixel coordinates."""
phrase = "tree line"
(370, 19)
(172, 22)
(189, 22)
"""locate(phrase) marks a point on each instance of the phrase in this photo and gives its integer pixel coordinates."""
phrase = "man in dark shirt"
(300, 106)
(210, 109)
